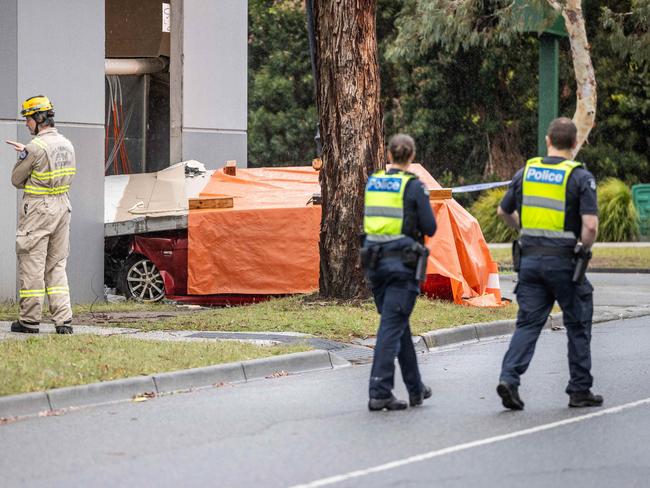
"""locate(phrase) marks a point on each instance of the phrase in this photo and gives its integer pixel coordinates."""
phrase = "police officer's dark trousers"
(395, 295)
(542, 280)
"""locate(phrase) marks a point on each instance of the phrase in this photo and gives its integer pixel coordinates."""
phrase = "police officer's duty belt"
(548, 251)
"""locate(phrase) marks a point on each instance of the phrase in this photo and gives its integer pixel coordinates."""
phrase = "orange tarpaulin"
(458, 250)
(268, 242)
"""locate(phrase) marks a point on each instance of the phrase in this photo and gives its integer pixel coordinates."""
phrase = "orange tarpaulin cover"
(458, 250)
(268, 242)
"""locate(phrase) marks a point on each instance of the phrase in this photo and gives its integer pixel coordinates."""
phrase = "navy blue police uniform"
(546, 275)
(395, 290)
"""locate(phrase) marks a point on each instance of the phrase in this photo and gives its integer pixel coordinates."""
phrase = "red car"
(149, 267)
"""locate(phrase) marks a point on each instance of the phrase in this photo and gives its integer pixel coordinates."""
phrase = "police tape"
(479, 187)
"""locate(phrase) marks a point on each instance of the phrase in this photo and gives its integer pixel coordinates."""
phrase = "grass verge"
(603, 257)
(341, 322)
(327, 319)
(50, 361)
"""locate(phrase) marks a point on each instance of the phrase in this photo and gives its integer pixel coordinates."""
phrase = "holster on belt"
(415, 256)
(516, 255)
(582, 262)
(370, 256)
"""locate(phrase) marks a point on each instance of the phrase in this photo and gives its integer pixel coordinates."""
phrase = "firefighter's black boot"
(18, 326)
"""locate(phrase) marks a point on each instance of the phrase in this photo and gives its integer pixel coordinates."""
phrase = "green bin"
(641, 198)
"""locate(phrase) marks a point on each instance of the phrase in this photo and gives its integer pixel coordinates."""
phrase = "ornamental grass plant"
(619, 220)
(485, 211)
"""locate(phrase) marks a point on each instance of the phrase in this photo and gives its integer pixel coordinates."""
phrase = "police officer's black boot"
(390, 403)
(18, 326)
(510, 396)
(66, 328)
(585, 399)
(416, 400)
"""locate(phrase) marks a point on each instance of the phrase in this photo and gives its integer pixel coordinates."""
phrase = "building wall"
(67, 65)
(215, 44)
(8, 111)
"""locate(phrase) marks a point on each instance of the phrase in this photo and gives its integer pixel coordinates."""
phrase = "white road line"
(468, 445)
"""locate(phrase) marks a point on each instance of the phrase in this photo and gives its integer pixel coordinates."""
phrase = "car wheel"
(140, 280)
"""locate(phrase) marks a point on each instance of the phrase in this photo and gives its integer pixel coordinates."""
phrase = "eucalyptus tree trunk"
(350, 121)
(585, 114)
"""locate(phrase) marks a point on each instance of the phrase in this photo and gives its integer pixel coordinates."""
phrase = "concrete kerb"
(485, 330)
(25, 404)
(299, 362)
(104, 392)
(194, 378)
(163, 383)
(29, 404)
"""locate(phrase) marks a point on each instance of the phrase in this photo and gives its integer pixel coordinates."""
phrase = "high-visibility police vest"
(544, 198)
(384, 206)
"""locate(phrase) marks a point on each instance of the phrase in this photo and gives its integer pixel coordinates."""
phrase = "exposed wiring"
(116, 126)
(119, 140)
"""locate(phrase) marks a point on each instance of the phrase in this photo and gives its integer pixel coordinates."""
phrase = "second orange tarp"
(268, 242)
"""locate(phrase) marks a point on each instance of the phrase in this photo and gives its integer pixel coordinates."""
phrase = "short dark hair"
(562, 133)
(401, 147)
(45, 119)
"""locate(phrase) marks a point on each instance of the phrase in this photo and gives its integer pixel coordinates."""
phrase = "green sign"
(539, 17)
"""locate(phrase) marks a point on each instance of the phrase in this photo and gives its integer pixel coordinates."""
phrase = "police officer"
(44, 171)
(397, 215)
(553, 201)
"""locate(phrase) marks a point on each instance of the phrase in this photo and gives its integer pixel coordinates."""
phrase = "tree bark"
(350, 120)
(585, 114)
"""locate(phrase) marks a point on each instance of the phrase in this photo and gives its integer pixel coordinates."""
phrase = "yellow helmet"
(39, 103)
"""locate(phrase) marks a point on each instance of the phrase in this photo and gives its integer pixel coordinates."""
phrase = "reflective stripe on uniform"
(48, 175)
(58, 290)
(41, 190)
(543, 202)
(31, 293)
(383, 237)
(39, 143)
(563, 234)
(395, 213)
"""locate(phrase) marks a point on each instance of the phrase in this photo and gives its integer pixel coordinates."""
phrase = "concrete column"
(61, 56)
(215, 81)
(8, 111)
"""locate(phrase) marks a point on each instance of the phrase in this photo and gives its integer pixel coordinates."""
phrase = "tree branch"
(585, 113)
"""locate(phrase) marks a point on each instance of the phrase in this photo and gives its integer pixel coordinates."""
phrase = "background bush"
(619, 220)
(485, 211)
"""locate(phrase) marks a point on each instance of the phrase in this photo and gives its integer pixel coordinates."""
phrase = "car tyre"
(139, 279)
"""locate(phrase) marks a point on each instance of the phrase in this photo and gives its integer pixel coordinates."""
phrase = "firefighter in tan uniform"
(45, 169)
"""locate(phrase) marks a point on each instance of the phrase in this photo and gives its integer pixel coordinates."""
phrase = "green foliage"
(485, 211)
(461, 78)
(618, 144)
(281, 109)
(461, 24)
(630, 30)
(619, 220)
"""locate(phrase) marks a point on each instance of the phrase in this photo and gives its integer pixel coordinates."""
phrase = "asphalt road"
(610, 289)
(308, 428)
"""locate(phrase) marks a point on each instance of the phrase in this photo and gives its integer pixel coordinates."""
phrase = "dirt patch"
(103, 318)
